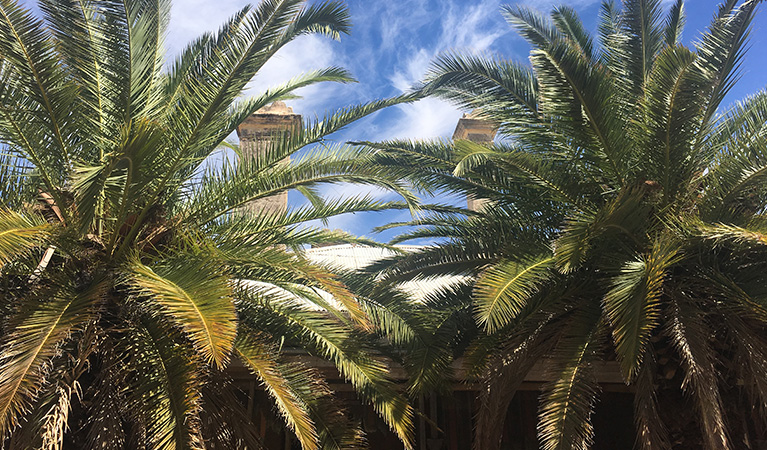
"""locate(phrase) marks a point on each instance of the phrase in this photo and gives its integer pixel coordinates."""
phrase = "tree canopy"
(624, 221)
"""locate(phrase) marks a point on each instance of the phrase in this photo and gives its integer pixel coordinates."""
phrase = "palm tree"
(131, 276)
(624, 221)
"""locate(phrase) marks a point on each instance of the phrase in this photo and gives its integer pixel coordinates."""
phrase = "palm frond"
(739, 145)
(690, 336)
(531, 25)
(28, 54)
(721, 49)
(612, 39)
(568, 402)
(233, 186)
(260, 360)
(337, 343)
(329, 18)
(675, 23)
(490, 86)
(19, 234)
(38, 333)
(633, 304)
(164, 394)
(673, 98)
(569, 24)
(583, 96)
(643, 23)
(503, 290)
(195, 296)
(652, 433)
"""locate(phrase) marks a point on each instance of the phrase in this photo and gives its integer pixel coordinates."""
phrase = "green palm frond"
(582, 231)
(675, 23)
(145, 53)
(503, 291)
(444, 321)
(612, 40)
(234, 185)
(318, 129)
(583, 96)
(447, 259)
(329, 18)
(15, 176)
(260, 360)
(369, 376)
(28, 55)
(721, 50)
(531, 25)
(551, 177)
(19, 234)
(633, 304)
(723, 233)
(251, 228)
(642, 23)
(673, 99)
(194, 295)
(486, 85)
(569, 24)
(740, 145)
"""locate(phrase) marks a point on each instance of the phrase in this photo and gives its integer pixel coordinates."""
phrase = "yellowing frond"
(261, 360)
(19, 234)
(502, 291)
(197, 298)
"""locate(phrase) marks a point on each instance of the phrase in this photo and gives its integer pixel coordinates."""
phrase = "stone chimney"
(257, 134)
(471, 128)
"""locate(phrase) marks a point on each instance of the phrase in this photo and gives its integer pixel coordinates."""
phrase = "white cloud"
(414, 70)
(425, 119)
(467, 27)
(302, 55)
(192, 18)
(546, 5)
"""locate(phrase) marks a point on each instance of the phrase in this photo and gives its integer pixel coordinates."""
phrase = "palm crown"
(624, 221)
(131, 275)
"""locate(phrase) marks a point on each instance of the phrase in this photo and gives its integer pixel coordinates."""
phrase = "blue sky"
(391, 45)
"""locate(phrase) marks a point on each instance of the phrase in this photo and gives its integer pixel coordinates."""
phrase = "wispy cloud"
(302, 55)
(466, 27)
(192, 18)
(546, 5)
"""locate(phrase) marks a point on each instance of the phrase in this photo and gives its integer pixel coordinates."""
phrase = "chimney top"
(471, 128)
(277, 108)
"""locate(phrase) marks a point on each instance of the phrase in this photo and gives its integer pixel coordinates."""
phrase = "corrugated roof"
(354, 256)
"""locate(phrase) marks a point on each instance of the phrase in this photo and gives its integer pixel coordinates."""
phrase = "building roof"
(353, 256)
(356, 257)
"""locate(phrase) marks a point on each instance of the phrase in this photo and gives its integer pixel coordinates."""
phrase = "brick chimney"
(259, 132)
(471, 128)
